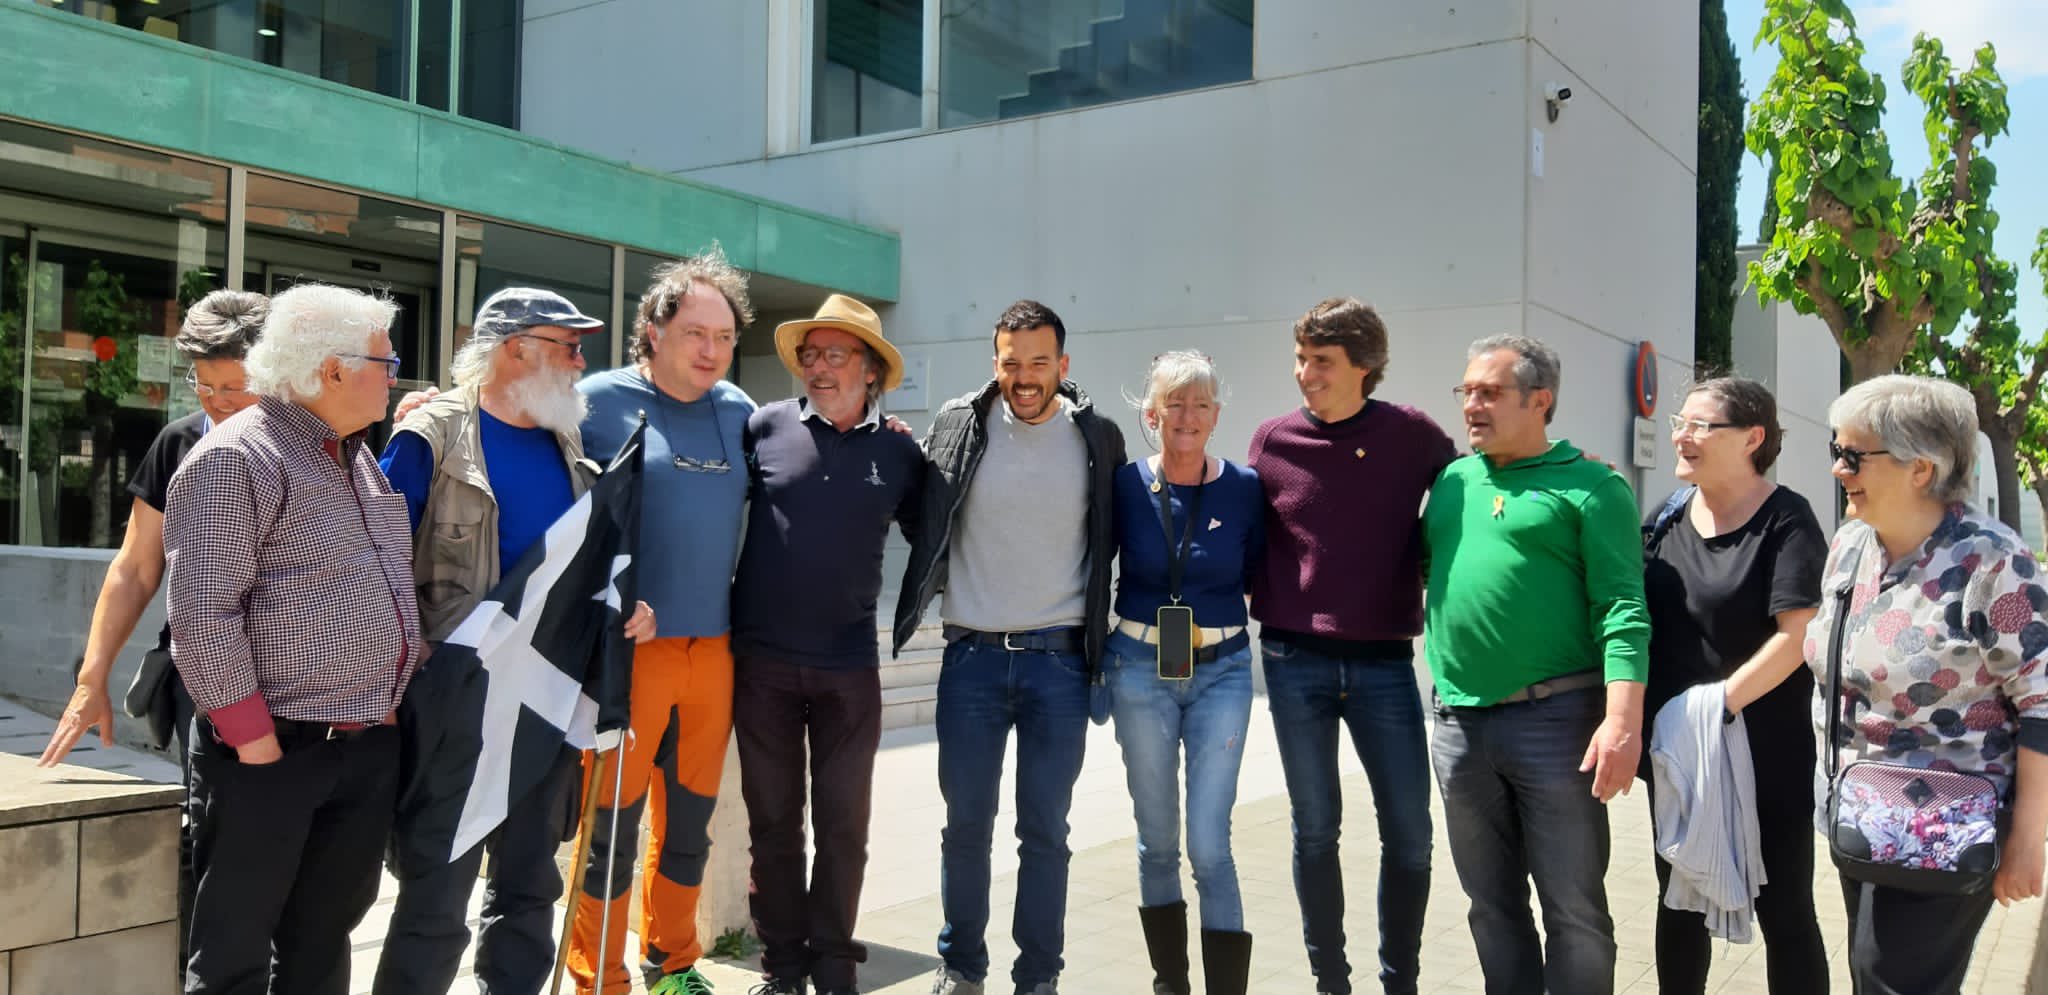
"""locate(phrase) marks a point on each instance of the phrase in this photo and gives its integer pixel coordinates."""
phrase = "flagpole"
(576, 867)
(604, 922)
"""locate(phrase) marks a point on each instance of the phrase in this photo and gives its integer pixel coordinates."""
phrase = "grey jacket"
(952, 451)
(1705, 802)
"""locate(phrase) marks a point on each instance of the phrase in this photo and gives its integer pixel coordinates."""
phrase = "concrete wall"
(46, 602)
(1379, 155)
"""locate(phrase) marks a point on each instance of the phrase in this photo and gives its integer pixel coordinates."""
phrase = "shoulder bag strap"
(1844, 592)
(1666, 515)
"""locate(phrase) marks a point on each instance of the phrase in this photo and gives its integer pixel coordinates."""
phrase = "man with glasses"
(296, 631)
(1339, 599)
(828, 478)
(684, 335)
(1539, 643)
(485, 470)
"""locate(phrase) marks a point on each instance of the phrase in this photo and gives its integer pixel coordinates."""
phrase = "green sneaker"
(685, 982)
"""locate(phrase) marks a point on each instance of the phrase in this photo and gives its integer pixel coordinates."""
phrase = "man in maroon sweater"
(1339, 597)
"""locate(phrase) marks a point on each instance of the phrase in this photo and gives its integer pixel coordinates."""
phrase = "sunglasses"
(1852, 459)
(575, 348)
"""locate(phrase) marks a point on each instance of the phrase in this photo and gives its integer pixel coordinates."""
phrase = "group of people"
(309, 581)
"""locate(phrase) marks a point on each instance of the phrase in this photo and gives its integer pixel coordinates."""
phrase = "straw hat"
(849, 316)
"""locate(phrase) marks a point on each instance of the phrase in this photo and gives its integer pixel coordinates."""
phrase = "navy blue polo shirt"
(811, 566)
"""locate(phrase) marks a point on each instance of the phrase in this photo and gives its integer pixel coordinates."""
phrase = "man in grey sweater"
(1017, 513)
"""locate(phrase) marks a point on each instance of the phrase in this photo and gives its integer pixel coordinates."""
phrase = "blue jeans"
(1517, 807)
(1154, 717)
(1377, 700)
(983, 692)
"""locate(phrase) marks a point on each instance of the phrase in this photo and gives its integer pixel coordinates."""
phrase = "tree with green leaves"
(1720, 165)
(1877, 260)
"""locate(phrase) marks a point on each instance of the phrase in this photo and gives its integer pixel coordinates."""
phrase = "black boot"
(1166, 940)
(1226, 962)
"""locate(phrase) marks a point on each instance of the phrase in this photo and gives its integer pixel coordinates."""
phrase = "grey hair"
(222, 325)
(309, 324)
(1917, 418)
(1536, 364)
(472, 362)
(872, 363)
(1169, 372)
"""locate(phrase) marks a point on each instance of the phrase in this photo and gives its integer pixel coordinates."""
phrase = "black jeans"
(287, 857)
(1795, 956)
(515, 951)
(1903, 943)
(806, 928)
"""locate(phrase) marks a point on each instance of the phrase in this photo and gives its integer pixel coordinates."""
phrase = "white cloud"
(2017, 27)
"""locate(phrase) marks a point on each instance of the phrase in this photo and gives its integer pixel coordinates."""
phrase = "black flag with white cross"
(541, 663)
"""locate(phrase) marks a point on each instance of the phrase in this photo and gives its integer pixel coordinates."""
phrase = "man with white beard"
(485, 469)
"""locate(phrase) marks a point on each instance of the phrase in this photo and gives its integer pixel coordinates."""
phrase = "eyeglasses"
(208, 390)
(1484, 393)
(690, 465)
(835, 356)
(1681, 425)
(390, 363)
(575, 348)
(1852, 459)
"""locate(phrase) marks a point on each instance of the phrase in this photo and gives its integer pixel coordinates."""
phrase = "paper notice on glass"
(911, 395)
(153, 359)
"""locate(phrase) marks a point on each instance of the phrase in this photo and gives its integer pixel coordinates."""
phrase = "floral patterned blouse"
(1945, 651)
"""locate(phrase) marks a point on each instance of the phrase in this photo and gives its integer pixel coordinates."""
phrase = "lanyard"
(1176, 559)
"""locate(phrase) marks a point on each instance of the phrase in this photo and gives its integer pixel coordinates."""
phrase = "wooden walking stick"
(604, 759)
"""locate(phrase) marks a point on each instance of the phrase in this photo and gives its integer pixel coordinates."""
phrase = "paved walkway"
(1105, 954)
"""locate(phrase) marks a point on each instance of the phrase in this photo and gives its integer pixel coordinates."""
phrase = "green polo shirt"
(1535, 571)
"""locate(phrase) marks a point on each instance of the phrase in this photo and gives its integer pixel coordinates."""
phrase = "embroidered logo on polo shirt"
(875, 475)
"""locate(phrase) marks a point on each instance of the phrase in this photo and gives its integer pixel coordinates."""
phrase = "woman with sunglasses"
(1732, 577)
(1188, 528)
(1943, 653)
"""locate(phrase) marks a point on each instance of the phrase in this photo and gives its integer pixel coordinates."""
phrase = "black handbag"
(1910, 828)
(149, 696)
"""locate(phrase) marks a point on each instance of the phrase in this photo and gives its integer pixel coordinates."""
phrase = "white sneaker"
(949, 982)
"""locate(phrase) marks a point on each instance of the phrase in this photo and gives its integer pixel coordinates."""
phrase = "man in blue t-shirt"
(485, 469)
(828, 478)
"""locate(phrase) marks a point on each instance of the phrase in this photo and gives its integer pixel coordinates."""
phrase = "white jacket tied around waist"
(1705, 801)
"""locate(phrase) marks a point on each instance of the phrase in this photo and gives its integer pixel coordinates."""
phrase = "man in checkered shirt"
(294, 626)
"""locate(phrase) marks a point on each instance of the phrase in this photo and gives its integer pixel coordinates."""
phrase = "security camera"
(1554, 97)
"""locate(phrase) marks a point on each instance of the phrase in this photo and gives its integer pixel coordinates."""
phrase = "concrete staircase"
(1153, 47)
(910, 683)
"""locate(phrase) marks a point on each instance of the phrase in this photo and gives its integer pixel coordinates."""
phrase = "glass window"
(867, 67)
(299, 233)
(101, 248)
(1009, 58)
(490, 257)
(490, 61)
(361, 43)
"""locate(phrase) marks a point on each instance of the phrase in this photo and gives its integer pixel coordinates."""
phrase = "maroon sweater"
(1343, 553)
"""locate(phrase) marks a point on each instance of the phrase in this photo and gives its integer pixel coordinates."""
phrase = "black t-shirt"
(1714, 603)
(152, 480)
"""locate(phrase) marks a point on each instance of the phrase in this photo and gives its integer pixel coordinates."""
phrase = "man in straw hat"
(828, 478)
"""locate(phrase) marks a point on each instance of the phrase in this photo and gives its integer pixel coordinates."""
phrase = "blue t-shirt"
(528, 479)
(689, 508)
(1228, 540)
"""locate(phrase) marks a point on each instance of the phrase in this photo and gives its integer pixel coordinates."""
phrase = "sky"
(2019, 31)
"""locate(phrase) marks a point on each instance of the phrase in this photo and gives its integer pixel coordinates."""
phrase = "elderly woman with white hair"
(1934, 612)
(1188, 527)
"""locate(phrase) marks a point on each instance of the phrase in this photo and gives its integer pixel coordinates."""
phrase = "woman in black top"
(1732, 578)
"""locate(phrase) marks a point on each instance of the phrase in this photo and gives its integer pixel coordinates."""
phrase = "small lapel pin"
(1500, 505)
(1155, 487)
(1360, 453)
(1214, 524)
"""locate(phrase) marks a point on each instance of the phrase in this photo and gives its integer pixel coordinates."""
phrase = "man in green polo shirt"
(1538, 640)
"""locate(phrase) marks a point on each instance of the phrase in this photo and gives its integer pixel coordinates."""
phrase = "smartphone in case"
(1176, 627)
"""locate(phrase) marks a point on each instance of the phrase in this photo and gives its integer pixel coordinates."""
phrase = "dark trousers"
(806, 930)
(1795, 956)
(181, 731)
(515, 951)
(1903, 943)
(287, 856)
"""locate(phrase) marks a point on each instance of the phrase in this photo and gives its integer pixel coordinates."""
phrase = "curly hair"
(672, 283)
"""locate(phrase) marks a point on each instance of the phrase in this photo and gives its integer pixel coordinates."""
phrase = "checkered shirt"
(290, 576)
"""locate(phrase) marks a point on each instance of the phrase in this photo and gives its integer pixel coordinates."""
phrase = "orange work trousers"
(681, 718)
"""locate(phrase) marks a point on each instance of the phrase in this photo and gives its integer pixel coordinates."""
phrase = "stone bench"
(89, 869)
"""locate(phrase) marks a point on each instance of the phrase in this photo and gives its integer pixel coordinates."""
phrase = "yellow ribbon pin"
(1500, 505)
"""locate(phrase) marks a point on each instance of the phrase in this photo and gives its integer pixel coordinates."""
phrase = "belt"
(1062, 640)
(295, 731)
(1555, 686)
(1208, 646)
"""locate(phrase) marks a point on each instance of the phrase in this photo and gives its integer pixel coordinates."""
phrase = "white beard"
(549, 397)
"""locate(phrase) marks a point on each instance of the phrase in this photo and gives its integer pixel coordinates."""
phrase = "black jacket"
(952, 452)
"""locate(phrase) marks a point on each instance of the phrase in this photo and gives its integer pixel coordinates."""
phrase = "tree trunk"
(1867, 360)
(2005, 467)
(96, 488)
